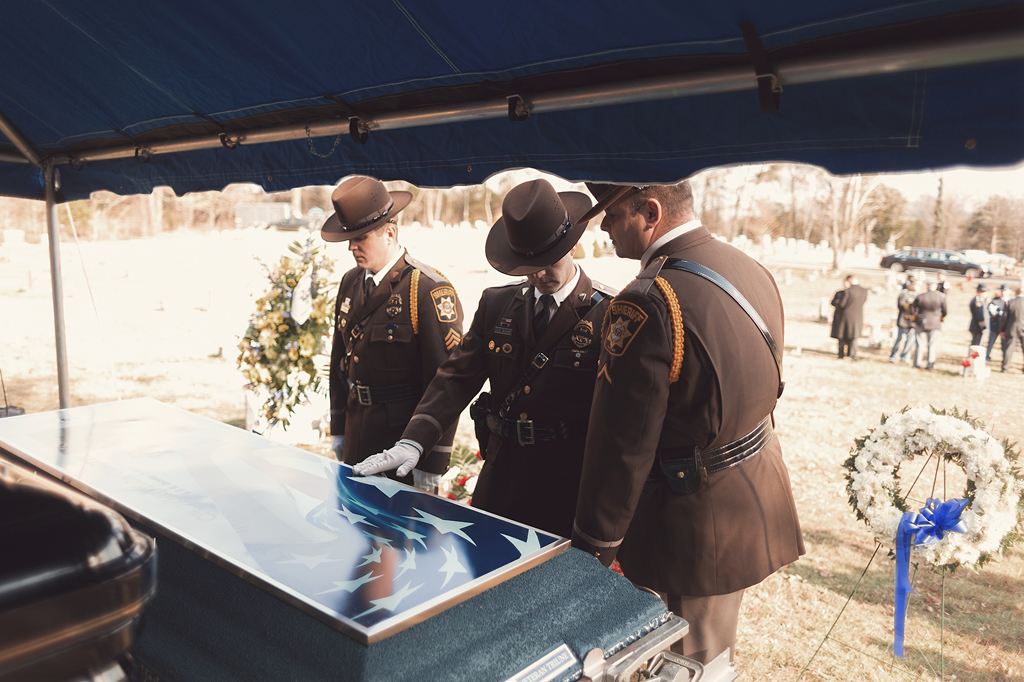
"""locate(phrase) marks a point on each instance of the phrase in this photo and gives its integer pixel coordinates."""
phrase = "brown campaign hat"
(606, 195)
(361, 204)
(537, 227)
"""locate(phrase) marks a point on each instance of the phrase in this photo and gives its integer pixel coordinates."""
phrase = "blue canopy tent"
(196, 95)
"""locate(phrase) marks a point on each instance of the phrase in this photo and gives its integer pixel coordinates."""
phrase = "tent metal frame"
(996, 46)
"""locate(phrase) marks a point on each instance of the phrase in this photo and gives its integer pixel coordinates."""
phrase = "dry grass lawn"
(168, 311)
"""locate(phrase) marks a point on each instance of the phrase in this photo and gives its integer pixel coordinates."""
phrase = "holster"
(478, 413)
(683, 469)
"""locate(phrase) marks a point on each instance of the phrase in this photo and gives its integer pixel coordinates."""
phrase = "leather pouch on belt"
(685, 474)
(478, 413)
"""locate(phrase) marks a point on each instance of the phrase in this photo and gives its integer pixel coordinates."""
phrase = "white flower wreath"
(995, 490)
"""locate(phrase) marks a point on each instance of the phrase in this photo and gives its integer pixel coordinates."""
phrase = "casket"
(277, 564)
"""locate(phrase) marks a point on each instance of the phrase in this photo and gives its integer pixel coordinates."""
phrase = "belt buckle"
(363, 395)
(524, 432)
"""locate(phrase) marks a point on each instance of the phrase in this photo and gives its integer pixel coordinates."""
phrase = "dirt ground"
(161, 317)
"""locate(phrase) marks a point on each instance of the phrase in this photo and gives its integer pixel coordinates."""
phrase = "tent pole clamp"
(143, 154)
(768, 86)
(518, 108)
(357, 131)
(230, 142)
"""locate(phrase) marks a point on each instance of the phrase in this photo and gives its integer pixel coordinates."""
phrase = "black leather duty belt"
(367, 395)
(724, 456)
(530, 432)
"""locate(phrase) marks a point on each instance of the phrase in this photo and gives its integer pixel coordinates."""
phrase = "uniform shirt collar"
(564, 292)
(383, 272)
(665, 239)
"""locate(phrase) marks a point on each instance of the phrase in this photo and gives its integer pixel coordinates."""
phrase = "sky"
(973, 185)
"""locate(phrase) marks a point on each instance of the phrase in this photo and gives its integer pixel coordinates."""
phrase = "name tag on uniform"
(346, 304)
(504, 326)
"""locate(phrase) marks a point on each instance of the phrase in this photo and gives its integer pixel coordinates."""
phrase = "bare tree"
(847, 203)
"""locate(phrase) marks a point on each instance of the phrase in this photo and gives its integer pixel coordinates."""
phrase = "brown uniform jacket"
(742, 524)
(533, 484)
(375, 345)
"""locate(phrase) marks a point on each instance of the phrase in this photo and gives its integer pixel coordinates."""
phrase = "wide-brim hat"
(982, 287)
(537, 227)
(361, 204)
(606, 195)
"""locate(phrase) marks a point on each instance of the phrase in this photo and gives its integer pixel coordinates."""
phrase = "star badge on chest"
(583, 334)
(394, 305)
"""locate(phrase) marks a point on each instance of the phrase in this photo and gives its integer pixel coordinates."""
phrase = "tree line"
(779, 200)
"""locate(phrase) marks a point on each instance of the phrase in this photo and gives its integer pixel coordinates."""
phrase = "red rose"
(451, 496)
(965, 363)
(462, 481)
(478, 455)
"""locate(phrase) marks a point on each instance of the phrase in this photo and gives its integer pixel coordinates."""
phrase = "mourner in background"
(996, 318)
(928, 311)
(683, 477)
(979, 315)
(1013, 329)
(848, 319)
(905, 333)
(537, 342)
(396, 321)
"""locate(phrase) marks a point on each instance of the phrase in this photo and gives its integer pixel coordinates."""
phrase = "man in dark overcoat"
(978, 307)
(686, 384)
(1013, 329)
(849, 316)
(996, 318)
(396, 321)
(928, 311)
(533, 450)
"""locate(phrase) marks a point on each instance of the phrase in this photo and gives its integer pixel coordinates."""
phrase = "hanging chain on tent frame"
(312, 149)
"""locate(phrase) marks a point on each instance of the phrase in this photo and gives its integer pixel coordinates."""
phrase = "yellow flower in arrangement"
(283, 349)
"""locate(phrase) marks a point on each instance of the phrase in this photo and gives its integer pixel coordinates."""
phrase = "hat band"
(547, 245)
(371, 220)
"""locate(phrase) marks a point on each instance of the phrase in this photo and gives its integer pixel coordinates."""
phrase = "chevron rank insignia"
(444, 304)
(452, 339)
(624, 321)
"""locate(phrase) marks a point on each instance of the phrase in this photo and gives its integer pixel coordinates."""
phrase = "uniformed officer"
(537, 342)
(683, 478)
(396, 321)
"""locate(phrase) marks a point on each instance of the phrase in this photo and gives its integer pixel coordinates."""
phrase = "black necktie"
(368, 287)
(545, 311)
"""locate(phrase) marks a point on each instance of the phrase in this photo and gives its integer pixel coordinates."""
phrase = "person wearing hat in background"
(537, 342)
(928, 311)
(683, 478)
(996, 317)
(1013, 329)
(396, 321)
(979, 315)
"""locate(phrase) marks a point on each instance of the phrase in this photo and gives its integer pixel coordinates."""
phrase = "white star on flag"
(372, 558)
(352, 585)
(309, 561)
(380, 541)
(390, 603)
(385, 485)
(411, 534)
(451, 566)
(410, 562)
(443, 526)
(528, 546)
(352, 517)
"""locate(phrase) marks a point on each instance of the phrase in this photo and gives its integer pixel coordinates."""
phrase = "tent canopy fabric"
(104, 88)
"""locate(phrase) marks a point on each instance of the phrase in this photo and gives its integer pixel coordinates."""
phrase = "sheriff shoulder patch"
(444, 304)
(624, 322)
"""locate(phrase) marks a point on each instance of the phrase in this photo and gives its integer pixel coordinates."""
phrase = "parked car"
(913, 258)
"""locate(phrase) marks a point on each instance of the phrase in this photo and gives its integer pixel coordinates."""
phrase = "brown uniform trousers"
(535, 484)
(742, 524)
(385, 352)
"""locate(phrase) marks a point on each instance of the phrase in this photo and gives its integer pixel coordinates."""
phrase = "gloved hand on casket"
(402, 457)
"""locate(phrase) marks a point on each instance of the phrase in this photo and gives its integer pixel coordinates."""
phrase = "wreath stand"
(939, 462)
(863, 483)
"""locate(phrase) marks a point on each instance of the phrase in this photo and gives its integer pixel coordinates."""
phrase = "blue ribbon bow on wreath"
(925, 527)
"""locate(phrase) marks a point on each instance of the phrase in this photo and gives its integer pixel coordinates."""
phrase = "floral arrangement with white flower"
(282, 349)
(990, 522)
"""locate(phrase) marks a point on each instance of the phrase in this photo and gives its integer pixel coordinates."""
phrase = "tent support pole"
(57, 286)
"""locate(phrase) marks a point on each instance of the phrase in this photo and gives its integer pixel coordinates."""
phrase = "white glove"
(338, 445)
(427, 482)
(402, 456)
